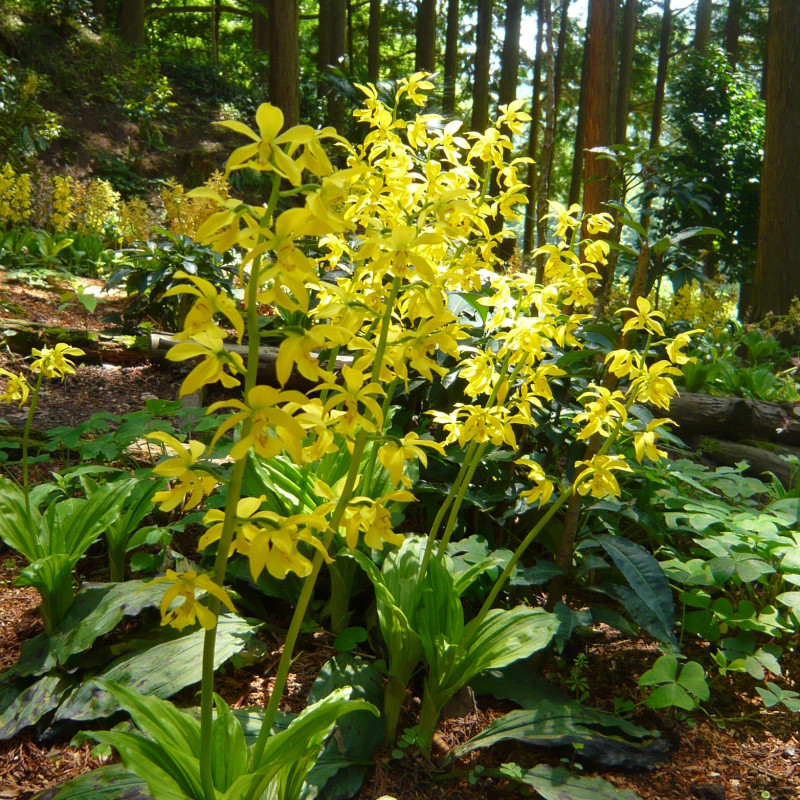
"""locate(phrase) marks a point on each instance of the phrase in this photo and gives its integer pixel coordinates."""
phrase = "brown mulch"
(739, 751)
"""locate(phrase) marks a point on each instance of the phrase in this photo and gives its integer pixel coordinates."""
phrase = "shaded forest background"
(657, 111)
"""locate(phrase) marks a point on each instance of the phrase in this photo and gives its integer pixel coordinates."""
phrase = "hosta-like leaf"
(51, 576)
(290, 753)
(650, 600)
(33, 703)
(112, 782)
(228, 747)
(558, 783)
(605, 738)
(159, 670)
(340, 769)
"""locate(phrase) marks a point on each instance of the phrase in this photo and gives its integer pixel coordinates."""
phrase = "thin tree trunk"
(547, 144)
(337, 49)
(131, 22)
(425, 54)
(732, 30)
(284, 61)
(509, 62)
(580, 129)
(374, 41)
(702, 26)
(261, 25)
(625, 71)
(483, 51)
(658, 103)
(215, 18)
(533, 136)
(562, 47)
(324, 35)
(451, 58)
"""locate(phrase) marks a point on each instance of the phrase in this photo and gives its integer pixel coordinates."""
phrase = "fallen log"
(735, 418)
(760, 461)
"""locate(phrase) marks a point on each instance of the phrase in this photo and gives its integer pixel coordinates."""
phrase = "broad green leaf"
(791, 599)
(289, 754)
(111, 782)
(341, 767)
(693, 679)
(156, 718)
(51, 576)
(607, 739)
(558, 783)
(670, 694)
(228, 747)
(648, 583)
(33, 703)
(159, 670)
(665, 670)
(19, 529)
(169, 773)
(97, 609)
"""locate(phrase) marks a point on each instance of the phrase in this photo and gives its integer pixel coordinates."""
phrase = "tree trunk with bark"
(732, 30)
(284, 60)
(451, 58)
(131, 22)
(425, 53)
(374, 41)
(625, 71)
(533, 136)
(580, 129)
(483, 51)
(658, 103)
(601, 26)
(777, 275)
(702, 26)
(545, 170)
(261, 13)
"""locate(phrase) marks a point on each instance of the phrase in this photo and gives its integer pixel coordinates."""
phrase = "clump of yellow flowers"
(405, 224)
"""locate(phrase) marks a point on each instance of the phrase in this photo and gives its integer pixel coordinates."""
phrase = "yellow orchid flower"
(372, 518)
(200, 318)
(53, 362)
(216, 359)
(394, 453)
(543, 488)
(190, 610)
(644, 443)
(602, 414)
(17, 388)
(643, 318)
(273, 425)
(190, 481)
(266, 154)
(653, 384)
(675, 347)
(598, 477)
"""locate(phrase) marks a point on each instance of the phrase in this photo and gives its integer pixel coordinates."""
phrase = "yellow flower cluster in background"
(15, 196)
(709, 304)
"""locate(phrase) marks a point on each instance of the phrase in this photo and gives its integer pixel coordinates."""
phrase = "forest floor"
(734, 750)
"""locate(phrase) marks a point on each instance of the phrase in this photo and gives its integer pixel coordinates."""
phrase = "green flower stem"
(229, 524)
(282, 673)
(518, 553)
(369, 471)
(562, 498)
(477, 459)
(455, 497)
(25, 438)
